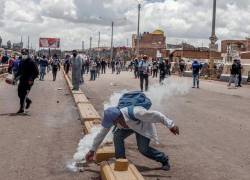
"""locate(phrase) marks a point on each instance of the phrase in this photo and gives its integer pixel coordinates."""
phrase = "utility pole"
(90, 45)
(138, 31)
(213, 40)
(82, 46)
(112, 34)
(28, 44)
(99, 39)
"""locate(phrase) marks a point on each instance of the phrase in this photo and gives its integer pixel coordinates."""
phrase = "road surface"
(215, 128)
(39, 145)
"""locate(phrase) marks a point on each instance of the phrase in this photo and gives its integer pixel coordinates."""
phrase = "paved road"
(215, 129)
(38, 146)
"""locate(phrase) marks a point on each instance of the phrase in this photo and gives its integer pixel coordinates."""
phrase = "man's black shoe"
(165, 166)
(20, 111)
(28, 103)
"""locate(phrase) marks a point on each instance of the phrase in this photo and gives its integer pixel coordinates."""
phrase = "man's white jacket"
(145, 126)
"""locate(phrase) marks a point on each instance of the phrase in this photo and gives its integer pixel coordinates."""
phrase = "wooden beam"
(88, 112)
(105, 153)
(108, 172)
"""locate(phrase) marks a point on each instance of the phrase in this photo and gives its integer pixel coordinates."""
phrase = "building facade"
(151, 43)
(236, 45)
(194, 54)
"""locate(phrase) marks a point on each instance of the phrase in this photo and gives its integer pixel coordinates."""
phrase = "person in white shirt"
(144, 129)
(144, 72)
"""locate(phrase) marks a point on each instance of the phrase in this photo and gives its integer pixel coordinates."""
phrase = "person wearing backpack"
(132, 115)
(55, 66)
(144, 72)
(196, 66)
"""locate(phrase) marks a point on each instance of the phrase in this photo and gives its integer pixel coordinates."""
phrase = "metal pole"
(138, 31)
(99, 39)
(82, 46)
(112, 34)
(90, 45)
(28, 44)
(214, 17)
(213, 39)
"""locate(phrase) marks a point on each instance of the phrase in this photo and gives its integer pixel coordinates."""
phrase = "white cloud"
(77, 20)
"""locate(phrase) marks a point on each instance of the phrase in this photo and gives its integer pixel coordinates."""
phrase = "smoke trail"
(160, 93)
(157, 93)
(85, 145)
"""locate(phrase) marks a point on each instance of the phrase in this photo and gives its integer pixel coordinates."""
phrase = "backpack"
(132, 99)
(196, 67)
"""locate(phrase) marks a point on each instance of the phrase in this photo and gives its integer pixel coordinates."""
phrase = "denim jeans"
(196, 80)
(42, 72)
(92, 75)
(235, 78)
(142, 144)
(143, 77)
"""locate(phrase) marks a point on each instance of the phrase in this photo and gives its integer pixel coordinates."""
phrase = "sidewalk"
(39, 145)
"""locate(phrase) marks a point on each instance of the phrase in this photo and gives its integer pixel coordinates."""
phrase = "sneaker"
(193, 87)
(166, 166)
(20, 111)
(28, 103)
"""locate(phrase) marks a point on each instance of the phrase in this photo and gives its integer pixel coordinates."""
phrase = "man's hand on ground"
(90, 156)
(175, 130)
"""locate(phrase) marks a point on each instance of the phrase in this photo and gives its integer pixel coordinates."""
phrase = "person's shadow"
(147, 169)
(14, 114)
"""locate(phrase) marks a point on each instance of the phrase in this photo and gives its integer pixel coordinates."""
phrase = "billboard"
(49, 43)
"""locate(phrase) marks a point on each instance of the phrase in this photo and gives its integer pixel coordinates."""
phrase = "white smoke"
(158, 93)
(85, 145)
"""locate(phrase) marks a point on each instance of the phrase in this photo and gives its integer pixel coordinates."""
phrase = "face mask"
(24, 57)
(74, 55)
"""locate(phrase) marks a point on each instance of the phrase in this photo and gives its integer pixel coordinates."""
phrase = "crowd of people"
(80, 65)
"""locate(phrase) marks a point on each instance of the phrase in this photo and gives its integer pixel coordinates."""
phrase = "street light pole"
(29, 45)
(82, 46)
(112, 34)
(90, 45)
(99, 39)
(213, 39)
(138, 31)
